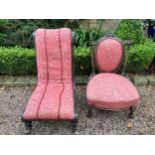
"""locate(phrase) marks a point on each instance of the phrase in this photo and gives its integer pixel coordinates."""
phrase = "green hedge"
(17, 61)
(21, 61)
(140, 56)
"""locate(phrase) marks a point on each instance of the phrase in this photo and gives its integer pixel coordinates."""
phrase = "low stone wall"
(139, 80)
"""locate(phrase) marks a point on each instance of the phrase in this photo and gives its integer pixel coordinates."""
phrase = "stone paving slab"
(140, 80)
(151, 79)
(81, 80)
(22, 80)
(33, 80)
(1, 80)
(7, 80)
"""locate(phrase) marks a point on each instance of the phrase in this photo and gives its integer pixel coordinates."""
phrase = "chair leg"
(131, 113)
(89, 113)
(74, 125)
(28, 126)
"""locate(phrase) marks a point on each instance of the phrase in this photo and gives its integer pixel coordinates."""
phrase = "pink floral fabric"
(53, 97)
(108, 55)
(111, 91)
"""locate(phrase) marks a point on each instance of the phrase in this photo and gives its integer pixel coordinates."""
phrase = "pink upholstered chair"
(107, 89)
(53, 98)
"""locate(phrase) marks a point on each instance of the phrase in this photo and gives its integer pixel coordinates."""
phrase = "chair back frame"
(94, 46)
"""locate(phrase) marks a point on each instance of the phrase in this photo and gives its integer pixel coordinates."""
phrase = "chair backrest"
(108, 54)
(54, 54)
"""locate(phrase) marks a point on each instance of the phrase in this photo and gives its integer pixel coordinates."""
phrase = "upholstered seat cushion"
(54, 101)
(111, 91)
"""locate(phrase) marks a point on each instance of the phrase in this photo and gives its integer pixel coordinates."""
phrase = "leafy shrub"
(83, 36)
(2, 34)
(82, 61)
(18, 32)
(22, 61)
(131, 29)
(140, 56)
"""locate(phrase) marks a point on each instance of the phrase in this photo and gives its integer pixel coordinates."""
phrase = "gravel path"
(14, 99)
